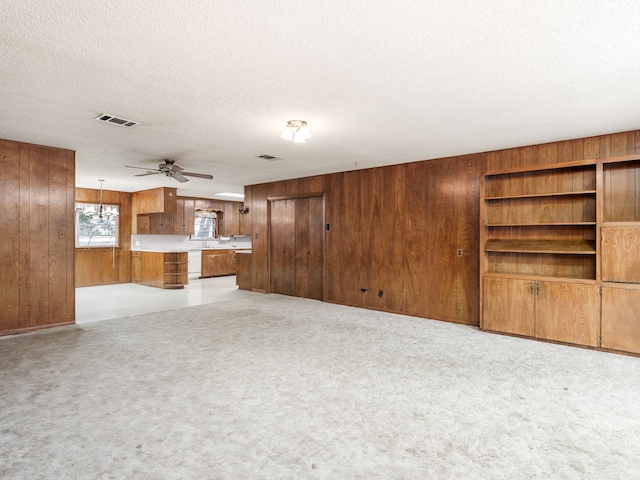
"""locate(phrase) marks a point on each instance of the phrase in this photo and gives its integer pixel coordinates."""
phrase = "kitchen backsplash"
(183, 242)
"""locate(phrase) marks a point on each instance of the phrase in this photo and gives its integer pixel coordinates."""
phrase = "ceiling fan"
(170, 169)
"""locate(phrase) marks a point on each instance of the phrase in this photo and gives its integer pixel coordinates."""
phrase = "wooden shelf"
(542, 195)
(555, 224)
(542, 168)
(561, 247)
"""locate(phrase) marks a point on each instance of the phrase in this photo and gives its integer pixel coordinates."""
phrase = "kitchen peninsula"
(169, 261)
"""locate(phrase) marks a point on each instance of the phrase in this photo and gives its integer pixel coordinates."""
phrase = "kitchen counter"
(160, 250)
(189, 249)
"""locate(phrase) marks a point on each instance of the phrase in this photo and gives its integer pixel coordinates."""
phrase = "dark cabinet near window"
(156, 223)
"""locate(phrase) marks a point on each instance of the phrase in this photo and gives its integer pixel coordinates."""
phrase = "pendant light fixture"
(102, 211)
(296, 131)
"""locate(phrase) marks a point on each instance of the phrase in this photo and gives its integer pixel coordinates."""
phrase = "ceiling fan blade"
(144, 174)
(199, 175)
(141, 168)
(179, 177)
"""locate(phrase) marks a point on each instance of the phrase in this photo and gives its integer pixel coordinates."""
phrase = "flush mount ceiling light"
(296, 131)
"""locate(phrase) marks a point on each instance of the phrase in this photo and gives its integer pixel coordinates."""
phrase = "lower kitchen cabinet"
(136, 267)
(551, 310)
(160, 269)
(243, 271)
(219, 262)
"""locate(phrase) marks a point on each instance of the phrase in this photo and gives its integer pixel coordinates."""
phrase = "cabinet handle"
(537, 288)
(531, 288)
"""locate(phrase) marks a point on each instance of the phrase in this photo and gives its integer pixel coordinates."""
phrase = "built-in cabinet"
(178, 218)
(218, 262)
(560, 247)
(136, 267)
(243, 270)
(621, 255)
(157, 201)
(184, 218)
(160, 269)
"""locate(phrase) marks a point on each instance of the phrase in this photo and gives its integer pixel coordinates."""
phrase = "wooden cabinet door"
(567, 312)
(189, 215)
(144, 224)
(179, 227)
(621, 253)
(136, 267)
(621, 318)
(243, 271)
(508, 305)
(215, 264)
(231, 218)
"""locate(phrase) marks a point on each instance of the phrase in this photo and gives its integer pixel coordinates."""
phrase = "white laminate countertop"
(160, 250)
(189, 249)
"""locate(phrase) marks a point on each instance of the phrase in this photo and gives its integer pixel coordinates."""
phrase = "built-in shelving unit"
(175, 270)
(541, 221)
(560, 250)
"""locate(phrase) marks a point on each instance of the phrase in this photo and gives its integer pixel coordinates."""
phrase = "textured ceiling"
(379, 82)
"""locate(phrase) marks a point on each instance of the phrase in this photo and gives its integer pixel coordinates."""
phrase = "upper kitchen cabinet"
(231, 219)
(183, 219)
(156, 200)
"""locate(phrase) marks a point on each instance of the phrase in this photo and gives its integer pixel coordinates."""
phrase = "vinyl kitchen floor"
(127, 299)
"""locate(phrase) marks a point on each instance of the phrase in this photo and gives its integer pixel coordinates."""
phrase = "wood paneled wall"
(104, 266)
(36, 229)
(399, 229)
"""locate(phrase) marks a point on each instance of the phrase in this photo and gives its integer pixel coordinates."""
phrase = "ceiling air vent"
(121, 122)
(271, 158)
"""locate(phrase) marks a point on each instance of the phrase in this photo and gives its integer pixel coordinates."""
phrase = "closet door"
(283, 247)
(297, 247)
(441, 241)
(309, 257)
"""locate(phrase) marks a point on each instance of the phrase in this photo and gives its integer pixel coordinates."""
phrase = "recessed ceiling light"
(235, 195)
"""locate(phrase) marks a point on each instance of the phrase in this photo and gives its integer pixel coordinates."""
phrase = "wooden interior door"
(297, 249)
(508, 305)
(283, 243)
(441, 241)
(309, 247)
(567, 312)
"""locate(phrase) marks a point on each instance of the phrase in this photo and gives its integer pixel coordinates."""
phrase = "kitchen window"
(205, 225)
(96, 225)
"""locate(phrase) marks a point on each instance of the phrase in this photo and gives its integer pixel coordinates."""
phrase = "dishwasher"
(195, 264)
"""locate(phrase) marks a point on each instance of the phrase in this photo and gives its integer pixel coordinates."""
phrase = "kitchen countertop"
(160, 250)
(188, 249)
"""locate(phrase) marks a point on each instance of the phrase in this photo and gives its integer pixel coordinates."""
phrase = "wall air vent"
(121, 122)
(271, 158)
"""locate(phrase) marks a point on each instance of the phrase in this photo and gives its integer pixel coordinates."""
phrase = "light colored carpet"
(278, 387)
